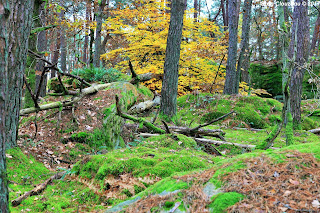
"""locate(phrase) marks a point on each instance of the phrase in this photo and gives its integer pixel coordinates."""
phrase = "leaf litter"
(290, 186)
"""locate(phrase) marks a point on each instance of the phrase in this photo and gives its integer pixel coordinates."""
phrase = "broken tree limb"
(314, 131)
(38, 189)
(147, 124)
(229, 143)
(217, 133)
(143, 106)
(54, 67)
(90, 90)
(224, 142)
(35, 100)
(208, 141)
(211, 122)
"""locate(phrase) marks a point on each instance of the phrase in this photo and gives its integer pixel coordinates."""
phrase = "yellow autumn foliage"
(145, 29)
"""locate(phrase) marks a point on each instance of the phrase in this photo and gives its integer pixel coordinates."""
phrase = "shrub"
(92, 74)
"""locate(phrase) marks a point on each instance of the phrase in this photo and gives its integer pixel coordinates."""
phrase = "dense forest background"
(72, 74)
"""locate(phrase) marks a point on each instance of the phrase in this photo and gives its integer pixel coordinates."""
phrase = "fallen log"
(90, 90)
(224, 142)
(147, 124)
(38, 189)
(314, 131)
(249, 129)
(210, 149)
(229, 143)
(217, 133)
(143, 106)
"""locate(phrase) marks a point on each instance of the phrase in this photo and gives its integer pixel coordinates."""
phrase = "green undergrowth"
(251, 111)
(159, 156)
(223, 200)
(24, 172)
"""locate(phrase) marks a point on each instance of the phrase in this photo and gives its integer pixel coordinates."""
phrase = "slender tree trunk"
(224, 5)
(15, 26)
(56, 53)
(31, 62)
(97, 43)
(195, 13)
(168, 106)
(63, 48)
(300, 30)
(244, 56)
(315, 36)
(86, 38)
(231, 82)
(41, 46)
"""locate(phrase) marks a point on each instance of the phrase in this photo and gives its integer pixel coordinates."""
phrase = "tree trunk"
(195, 13)
(86, 38)
(63, 56)
(42, 46)
(315, 36)
(224, 4)
(15, 26)
(244, 57)
(300, 30)
(231, 83)
(31, 62)
(97, 43)
(168, 106)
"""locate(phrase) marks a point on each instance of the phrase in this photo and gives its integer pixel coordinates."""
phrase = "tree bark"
(231, 82)
(300, 30)
(63, 56)
(168, 106)
(195, 13)
(15, 27)
(86, 38)
(97, 43)
(41, 46)
(315, 36)
(244, 57)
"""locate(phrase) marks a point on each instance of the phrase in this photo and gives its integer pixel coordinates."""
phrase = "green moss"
(222, 201)
(289, 130)
(23, 168)
(266, 142)
(145, 91)
(307, 124)
(169, 141)
(156, 158)
(251, 117)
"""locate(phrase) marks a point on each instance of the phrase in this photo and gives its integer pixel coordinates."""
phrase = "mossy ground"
(153, 166)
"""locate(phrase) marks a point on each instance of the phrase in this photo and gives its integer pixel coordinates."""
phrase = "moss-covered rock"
(253, 111)
(222, 201)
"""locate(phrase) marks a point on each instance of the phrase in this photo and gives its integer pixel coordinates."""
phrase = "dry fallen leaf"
(286, 193)
(8, 156)
(316, 204)
(294, 182)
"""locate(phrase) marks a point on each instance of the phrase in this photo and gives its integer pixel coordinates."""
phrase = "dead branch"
(204, 140)
(314, 131)
(211, 122)
(217, 133)
(54, 67)
(166, 127)
(38, 189)
(143, 106)
(90, 90)
(147, 124)
(35, 100)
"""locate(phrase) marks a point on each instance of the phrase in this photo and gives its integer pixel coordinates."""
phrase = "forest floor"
(271, 181)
